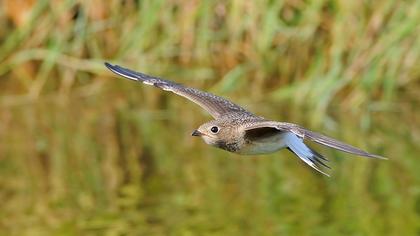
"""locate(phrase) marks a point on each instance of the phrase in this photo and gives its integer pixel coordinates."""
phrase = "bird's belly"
(263, 146)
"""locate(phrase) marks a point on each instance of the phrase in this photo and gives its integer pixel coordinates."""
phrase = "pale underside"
(265, 145)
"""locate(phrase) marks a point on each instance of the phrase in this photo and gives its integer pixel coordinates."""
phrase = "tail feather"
(306, 154)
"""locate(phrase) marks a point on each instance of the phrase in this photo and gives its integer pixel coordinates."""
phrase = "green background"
(84, 152)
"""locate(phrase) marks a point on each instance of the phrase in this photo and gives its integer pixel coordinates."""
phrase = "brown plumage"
(237, 130)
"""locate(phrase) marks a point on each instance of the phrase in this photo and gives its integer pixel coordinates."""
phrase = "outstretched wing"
(313, 136)
(215, 105)
(293, 139)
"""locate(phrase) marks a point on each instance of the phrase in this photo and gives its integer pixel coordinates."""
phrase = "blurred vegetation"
(83, 152)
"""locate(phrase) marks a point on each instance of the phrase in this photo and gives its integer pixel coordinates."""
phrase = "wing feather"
(312, 136)
(215, 105)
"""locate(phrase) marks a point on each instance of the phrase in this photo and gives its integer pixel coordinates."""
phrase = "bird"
(237, 130)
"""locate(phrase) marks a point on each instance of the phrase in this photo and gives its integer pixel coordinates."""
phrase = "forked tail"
(305, 153)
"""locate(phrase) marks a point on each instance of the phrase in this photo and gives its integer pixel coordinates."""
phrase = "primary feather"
(215, 105)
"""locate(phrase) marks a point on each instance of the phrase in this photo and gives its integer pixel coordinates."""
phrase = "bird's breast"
(228, 146)
(264, 145)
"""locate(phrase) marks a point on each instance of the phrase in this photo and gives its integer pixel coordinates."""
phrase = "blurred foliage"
(85, 153)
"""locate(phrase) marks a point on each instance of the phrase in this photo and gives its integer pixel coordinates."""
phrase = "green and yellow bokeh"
(84, 152)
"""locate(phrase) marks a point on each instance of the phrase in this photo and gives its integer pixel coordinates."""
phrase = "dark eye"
(214, 129)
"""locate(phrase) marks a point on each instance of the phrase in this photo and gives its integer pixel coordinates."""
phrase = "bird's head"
(216, 133)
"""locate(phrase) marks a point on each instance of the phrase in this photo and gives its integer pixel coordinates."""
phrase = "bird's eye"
(214, 129)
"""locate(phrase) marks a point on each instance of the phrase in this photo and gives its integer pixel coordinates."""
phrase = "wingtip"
(109, 65)
(377, 156)
(116, 69)
(367, 154)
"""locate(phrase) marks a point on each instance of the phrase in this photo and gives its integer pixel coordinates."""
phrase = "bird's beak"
(196, 133)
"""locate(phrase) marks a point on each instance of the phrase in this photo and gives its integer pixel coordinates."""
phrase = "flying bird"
(237, 130)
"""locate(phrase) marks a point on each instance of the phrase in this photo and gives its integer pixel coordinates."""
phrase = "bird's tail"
(305, 153)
